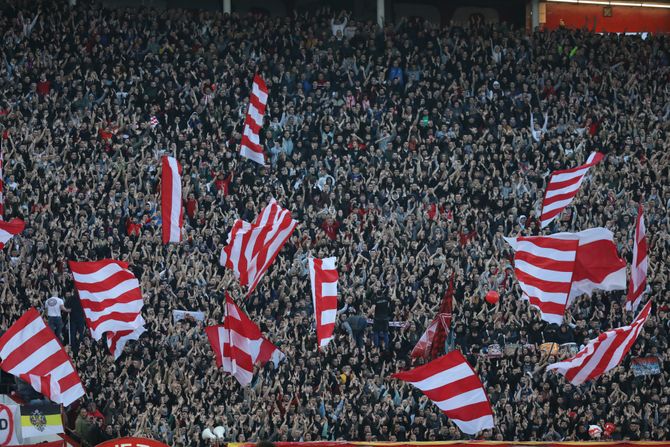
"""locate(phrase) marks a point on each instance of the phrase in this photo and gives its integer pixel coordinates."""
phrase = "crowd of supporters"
(407, 152)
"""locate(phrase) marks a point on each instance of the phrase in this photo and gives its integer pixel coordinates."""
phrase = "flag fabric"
(562, 187)
(116, 341)
(553, 270)
(323, 277)
(250, 146)
(41, 420)
(251, 248)
(30, 350)
(598, 265)
(451, 384)
(238, 344)
(544, 267)
(433, 340)
(638, 270)
(9, 230)
(153, 121)
(603, 353)
(110, 296)
(172, 211)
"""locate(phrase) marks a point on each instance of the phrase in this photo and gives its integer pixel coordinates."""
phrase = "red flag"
(445, 318)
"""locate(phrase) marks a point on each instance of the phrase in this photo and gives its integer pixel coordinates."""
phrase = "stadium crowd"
(408, 152)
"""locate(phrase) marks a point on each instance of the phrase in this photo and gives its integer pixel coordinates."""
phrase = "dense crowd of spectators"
(408, 152)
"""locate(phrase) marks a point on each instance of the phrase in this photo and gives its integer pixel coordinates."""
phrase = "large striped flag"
(10, 229)
(252, 247)
(30, 350)
(553, 270)
(451, 383)
(562, 187)
(110, 296)
(638, 270)
(238, 344)
(172, 211)
(603, 353)
(250, 146)
(544, 266)
(323, 277)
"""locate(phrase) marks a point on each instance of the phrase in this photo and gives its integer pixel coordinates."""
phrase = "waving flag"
(432, 342)
(451, 384)
(30, 350)
(603, 353)
(553, 270)
(562, 187)
(2, 183)
(110, 296)
(638, 271)
(9, 230)
(250, 146)
(172, 211)
(323, 276)
(598, 265)
(116, 341)
(252, 247)
(238, 344)
(544, 266)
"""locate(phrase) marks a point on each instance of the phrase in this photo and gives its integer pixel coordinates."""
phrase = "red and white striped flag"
(30, 350)
(562, 187)
(153, 121)
(544, 267)
(238, 344)
(116, 341)
(110, 296)
(451, 384)
(553, 270)
(172, 211)
(250, 146)
(603, 353)
(252, 247)
(9, 230)
(323, 276)
(638, 270)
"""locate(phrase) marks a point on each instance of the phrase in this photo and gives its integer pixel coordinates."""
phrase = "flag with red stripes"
(250, 146)
(172, 211)
(9, 230)
(562, 187)
(251, 247)
(239, 345)
(116, 341)
(323, 276)
(30, 350)
(638, 270)
(603, 353)
(544, 266)
(553, 270)
(110, 296)
(451, 384)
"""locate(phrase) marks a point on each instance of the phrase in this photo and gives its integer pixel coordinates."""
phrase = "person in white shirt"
(55, 306)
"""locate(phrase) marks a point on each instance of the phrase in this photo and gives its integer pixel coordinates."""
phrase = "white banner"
(10, 424)
(190, 314)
